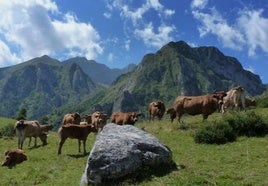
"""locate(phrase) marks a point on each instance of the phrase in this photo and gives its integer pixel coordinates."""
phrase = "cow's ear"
(6, 152)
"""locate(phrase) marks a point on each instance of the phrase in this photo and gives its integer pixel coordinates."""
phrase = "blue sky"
(120, 32)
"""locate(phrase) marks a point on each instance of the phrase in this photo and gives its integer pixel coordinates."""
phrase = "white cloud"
(255, 28)
(213, 23)
(200, 4)
(110, 57)
(249, 31)
(29, 25)
(152, 34)
(155, 39)
(251, 69)
(6, 56)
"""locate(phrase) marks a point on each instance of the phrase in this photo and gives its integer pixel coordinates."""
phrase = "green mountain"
(41, 85)
(48, 87)
(176, 69)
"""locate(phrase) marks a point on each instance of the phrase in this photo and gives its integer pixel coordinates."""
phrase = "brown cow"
(73, 118)
(194, 105)
(25, 128)
(172, 114)
(13, 157)
(156, 108)
(235, 97)
(74, 131)
(124, 118)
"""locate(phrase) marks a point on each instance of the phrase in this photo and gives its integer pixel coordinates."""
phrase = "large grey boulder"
(121, 150)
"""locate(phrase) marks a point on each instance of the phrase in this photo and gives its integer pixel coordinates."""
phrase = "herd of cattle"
(76, 127)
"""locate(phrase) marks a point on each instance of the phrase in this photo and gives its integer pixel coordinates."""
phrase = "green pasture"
(243, 162)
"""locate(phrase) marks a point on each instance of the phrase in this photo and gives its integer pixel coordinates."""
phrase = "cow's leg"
(30, 139)
(61, 144)
(79, 146)
(35, 141)
(84, 146)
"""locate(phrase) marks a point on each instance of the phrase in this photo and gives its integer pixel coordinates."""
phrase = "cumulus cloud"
(249, 31)
(199, 4)
(255, 29)
(152, 34)
(215, 24)
(152, 38)
(28, 25)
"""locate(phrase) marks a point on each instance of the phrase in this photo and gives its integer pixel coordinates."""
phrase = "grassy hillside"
(243, 162)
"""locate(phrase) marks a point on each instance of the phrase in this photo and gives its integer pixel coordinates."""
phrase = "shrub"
(7, 130)
(231, 126)
(218, 133)
(248, 124)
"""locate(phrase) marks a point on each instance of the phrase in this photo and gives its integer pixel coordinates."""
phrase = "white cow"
(234, 99)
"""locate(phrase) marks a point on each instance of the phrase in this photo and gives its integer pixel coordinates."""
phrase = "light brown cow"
(124, 118)
(25, 128)
(99, 119)
(172, 114)
(73, 118)
(13, 157)
(156, 109)
(195, 105)
(74, 131)
(235, 97)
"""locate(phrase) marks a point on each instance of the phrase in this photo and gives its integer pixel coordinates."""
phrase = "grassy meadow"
(243, 162)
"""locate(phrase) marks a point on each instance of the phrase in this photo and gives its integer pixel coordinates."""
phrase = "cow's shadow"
(78, 155)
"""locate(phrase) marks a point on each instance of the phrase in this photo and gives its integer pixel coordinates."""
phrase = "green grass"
(243, 162)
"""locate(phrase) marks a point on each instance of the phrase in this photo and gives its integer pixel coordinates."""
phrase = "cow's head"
(172, 113)
(134, 117)
(99, 119)
(87, 118)
(43, 138)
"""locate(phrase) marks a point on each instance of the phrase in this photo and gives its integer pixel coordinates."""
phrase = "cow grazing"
(13, 157)
(195, 105)
(124, 118)
(25, 128)
(74, 131)
(235, 97)
(98, 119)
(172, 114)
(156, 109)
(45, 128)
(73, 118)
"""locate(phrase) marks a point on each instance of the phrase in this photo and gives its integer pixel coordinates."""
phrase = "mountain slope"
(177, 69)
(41, 85)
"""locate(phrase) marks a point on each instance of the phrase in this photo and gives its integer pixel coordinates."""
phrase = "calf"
(25, 128)
(172, 114)
(156, 109)
(122, 118)
(13, 157)
(74, 131)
